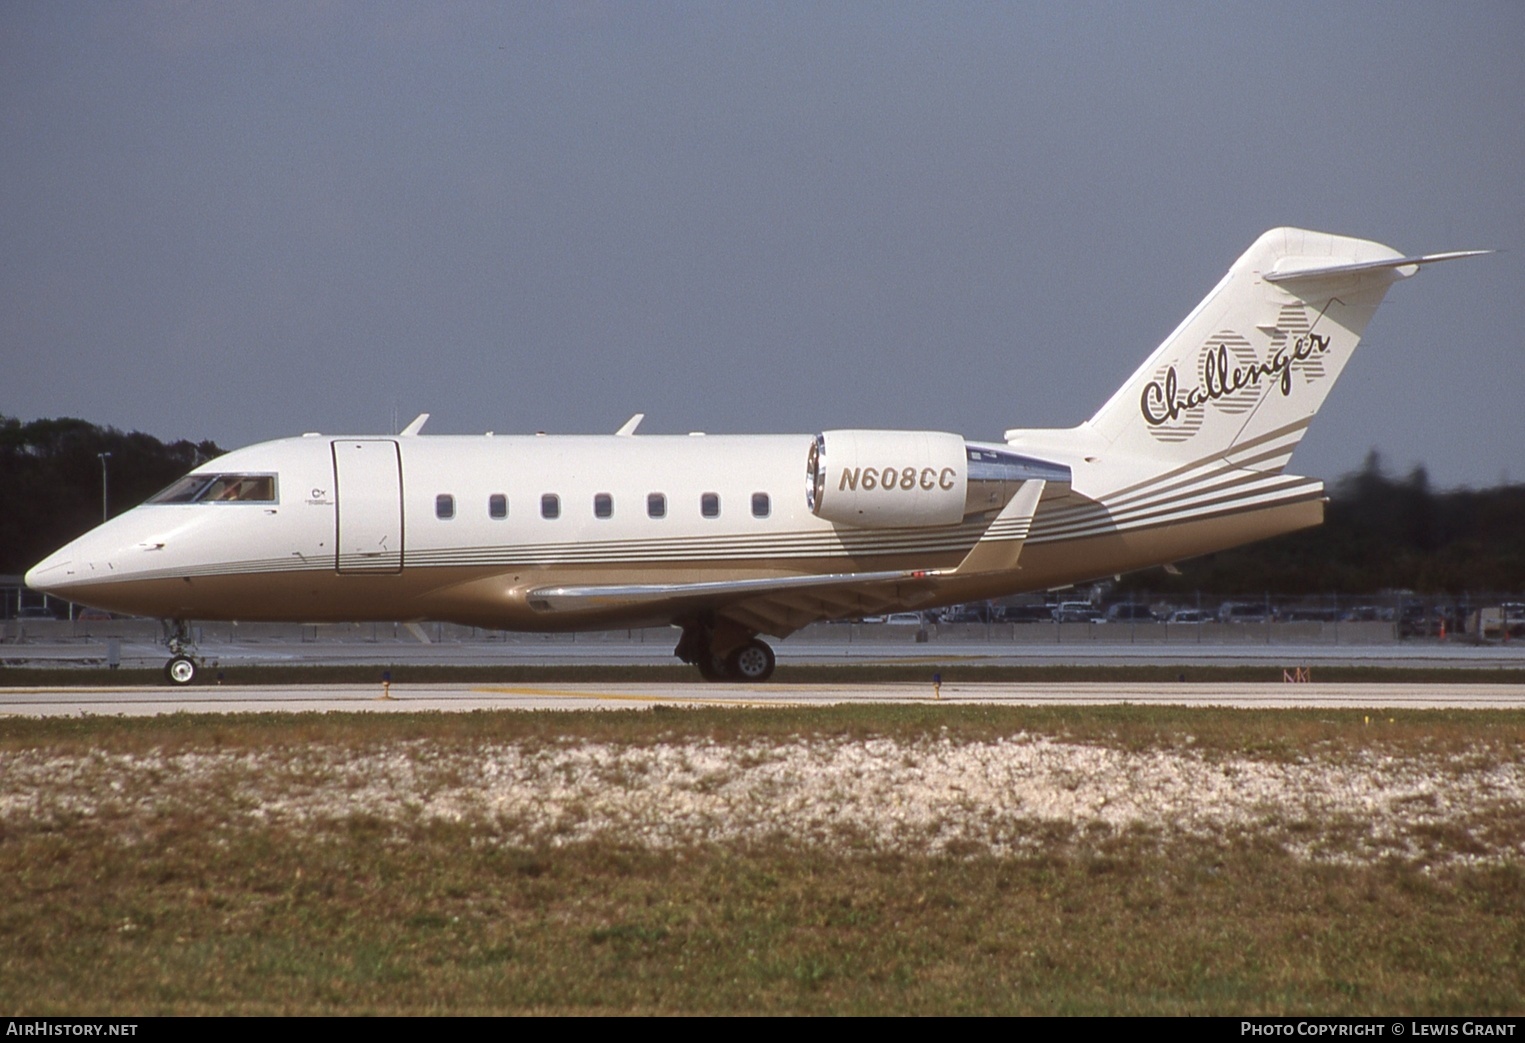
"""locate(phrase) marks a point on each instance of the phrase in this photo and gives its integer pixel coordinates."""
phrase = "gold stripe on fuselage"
(494, 596)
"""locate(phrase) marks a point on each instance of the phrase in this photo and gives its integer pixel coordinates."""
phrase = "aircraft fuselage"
(466, 528)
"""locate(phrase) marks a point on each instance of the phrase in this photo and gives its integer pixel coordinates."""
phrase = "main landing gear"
(725, 652)
(184, 664)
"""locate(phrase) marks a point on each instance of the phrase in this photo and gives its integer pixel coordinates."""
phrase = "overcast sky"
(241, 221)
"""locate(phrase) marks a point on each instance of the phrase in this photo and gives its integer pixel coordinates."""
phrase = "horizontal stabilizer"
(1291, 270)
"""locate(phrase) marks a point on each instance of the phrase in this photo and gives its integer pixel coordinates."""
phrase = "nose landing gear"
(184, 663)
(181, 670)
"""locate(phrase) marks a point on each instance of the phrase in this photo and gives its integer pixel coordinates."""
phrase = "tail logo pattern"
(1231, 377)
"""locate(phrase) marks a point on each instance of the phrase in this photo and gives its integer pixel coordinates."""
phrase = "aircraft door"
(368, 488)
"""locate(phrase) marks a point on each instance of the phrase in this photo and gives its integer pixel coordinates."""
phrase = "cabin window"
(760, 505)
(603, 505)
(219, 488)
(709, 505)
(497, 506)
(444, 506)
(656, 505)
(550, 506)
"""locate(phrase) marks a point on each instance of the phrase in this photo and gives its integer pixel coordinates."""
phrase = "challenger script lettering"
(1163, 402)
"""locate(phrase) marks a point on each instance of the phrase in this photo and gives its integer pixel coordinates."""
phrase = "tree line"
(50, 480)
(1380, 532)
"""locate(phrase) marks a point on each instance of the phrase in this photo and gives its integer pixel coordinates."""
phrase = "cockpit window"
(220, 488)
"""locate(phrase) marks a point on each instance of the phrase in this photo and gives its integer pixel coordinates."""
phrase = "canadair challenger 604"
(729, 537)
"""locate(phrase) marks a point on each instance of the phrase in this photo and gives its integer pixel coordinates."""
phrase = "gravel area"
(1012, 797)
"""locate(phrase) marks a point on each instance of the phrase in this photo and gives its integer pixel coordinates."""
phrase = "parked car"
(1243, 612)
(1129, 612)
(1310, 614)
(1189, 615)
(1499, 621)
(1028, 614)
(1077, 612)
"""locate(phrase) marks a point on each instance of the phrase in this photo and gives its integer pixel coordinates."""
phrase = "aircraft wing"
(776, 605)
(783, 604)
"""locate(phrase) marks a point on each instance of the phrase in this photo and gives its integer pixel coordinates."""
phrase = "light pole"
(103, 458)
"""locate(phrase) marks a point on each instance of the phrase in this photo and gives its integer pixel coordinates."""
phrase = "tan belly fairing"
(494, 597)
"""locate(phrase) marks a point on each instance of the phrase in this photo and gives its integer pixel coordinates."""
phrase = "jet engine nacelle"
(888, 479)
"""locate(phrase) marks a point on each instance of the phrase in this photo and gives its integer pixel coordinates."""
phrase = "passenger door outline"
(368, 506)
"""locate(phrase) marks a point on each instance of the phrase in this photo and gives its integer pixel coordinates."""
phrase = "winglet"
(628, 428)
(415, 427)
(1001, 545)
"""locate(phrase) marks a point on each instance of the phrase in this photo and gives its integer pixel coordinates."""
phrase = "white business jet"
(729, 537)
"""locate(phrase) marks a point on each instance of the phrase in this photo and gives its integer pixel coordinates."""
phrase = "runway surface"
(589, 653)
(136, 644)
(457, 698)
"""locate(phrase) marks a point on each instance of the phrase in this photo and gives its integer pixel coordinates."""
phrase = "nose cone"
(54, 567)
(135, 563)
(67, 569)
(91, 569)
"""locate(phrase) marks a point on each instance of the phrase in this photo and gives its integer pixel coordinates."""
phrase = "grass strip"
(157, 892)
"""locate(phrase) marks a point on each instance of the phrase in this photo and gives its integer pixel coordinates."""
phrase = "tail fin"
(1246, 371)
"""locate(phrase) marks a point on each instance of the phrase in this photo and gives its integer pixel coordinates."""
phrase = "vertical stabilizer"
(1199, 437)
(1246, 371)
